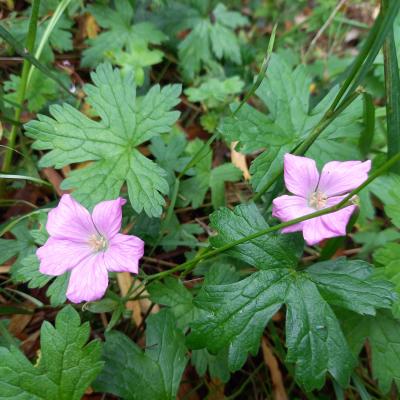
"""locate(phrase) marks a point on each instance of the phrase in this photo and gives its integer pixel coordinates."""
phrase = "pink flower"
(89, 246)
(314, 192)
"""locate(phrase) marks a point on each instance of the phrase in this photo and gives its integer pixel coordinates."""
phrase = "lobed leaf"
(126, 122)
(65, 369)
(151, 375)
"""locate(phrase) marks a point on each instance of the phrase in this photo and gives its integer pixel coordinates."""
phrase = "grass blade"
(19, 49)
(369, 121)
(49, 29)
(392, 87)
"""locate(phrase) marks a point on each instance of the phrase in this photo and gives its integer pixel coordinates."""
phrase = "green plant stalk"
(357, 71)
(26, 55)
(260, 77)
(358, 62)
(246, 382)
(324, 122)
(367, 135)
(368, 52)
(263, 70)
(168, 216)
(9, 225)
(344, 203)
(392, 88)
(200, 154)
(387, 19)
(49, 29)
(26, 178)
(30, 43)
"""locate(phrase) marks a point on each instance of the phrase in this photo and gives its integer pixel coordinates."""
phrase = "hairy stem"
(344, 203)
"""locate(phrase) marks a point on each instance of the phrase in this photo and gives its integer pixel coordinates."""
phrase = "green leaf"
(22, 246)
(351, 285)
(27, 271)
(194, 190)
(60, 38)
(173, 293)
(387, 259)
(136, 59)
(236, 314)
(168, 151)
(178, 234)
(122, 35)
(387, 188)
(216, 364)
(382, 332)
(215, 92)
(42, 89)
(209, 40)
(315, 342)
(8, 249)
(57, 290)
(151, 375)
(65, 369)
(267, 251)
(126, 122)
(285, 93)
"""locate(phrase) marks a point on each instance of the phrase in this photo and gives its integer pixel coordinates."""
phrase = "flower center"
(98, 243)
(317, 200)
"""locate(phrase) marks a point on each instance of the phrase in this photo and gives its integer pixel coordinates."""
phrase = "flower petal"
(287, 207)
(59, 255)
(293, 228)
(301, 175)
(89, 279)
(342, 177)
(107, 217)
(70, 220)
(327, 226)
(124, 253)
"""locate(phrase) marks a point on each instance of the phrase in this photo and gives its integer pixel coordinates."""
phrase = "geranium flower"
(314, 192)
(89, 246)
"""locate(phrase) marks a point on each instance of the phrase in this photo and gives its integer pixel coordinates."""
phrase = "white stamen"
(317, 200)
(98, 243)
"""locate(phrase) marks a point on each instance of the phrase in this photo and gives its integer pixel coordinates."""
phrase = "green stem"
(344, 203)
(263, 70)
(324, 122)
(260, 77)
(29, 45)
(392, 88)
(200, 154)
(49, 29)
(168, 217)
(245, 383)
(206, 147)
(27, 55)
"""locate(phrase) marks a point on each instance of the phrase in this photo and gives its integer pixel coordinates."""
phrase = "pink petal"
(301, 175)
(293, 228)
(342, 177)
(327, 226)
(59, 255)
(107, 216)
(338, 220)
(287, 207)
(69, 220)
(124, 253)
(89, 279)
